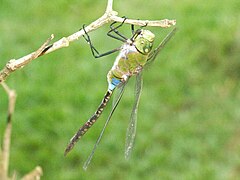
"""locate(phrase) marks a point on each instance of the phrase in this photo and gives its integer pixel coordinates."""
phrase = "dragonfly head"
(143, 41)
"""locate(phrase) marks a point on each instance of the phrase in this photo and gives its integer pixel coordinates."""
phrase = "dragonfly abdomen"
(90, 122)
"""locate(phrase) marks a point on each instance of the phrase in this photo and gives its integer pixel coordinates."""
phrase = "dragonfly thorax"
(132, 57)
(129, 62)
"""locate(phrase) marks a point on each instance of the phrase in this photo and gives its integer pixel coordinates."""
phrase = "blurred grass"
(188, 120)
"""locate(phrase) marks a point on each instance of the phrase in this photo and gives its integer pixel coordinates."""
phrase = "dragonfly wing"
(118, 98)
(131, 130)
(117, 92)
(156, 51)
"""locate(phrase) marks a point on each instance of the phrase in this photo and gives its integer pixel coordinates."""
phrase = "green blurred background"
(188, 119)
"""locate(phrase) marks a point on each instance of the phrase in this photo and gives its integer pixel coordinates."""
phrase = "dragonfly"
(134, 54)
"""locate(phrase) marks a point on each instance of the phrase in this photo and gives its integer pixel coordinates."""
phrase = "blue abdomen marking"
(114, 83)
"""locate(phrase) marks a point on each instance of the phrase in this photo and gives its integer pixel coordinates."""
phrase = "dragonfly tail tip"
(68, 149)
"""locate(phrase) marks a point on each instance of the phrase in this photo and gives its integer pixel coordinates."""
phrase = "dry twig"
(5, 151)
(4, 160)
(34, 174)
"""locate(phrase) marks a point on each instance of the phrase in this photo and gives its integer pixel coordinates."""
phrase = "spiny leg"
(132, 29)
(114, 29)
(88, 40)
(144, 25)
(137, 32)
(94, 51)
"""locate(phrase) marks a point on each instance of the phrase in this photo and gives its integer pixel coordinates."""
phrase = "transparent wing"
(131, 130)
(117, 92)
(156, 51)
(118, 98)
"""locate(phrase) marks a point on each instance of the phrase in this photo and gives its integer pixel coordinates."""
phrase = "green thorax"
(133, 56)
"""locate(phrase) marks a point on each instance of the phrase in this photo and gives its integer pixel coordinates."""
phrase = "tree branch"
(34, 174)
(4, 160)
(13, 64)
(109, 16)
(109, 6)
(5, 150)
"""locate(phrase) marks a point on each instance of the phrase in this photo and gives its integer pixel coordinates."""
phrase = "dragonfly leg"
(144, 25)
(120, 37)
(135, 34)
(132, 29)
(94, 51)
